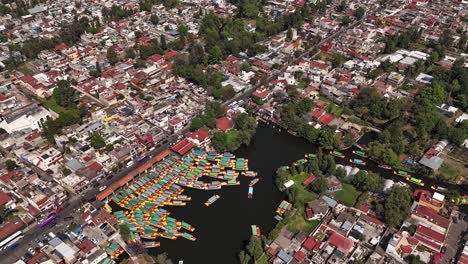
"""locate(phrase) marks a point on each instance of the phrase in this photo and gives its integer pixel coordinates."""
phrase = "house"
(435, 201)
(316, 210)
(341, 243)
(224, 123)
(7, 201)
(431, 158)
(199, 137)
(262, 93)
(333, 184)
(429, 238)
(182, 147)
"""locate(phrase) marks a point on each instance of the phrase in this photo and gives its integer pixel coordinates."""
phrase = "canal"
(223, 228)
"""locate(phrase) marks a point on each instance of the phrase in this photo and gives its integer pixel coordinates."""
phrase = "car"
(40, 244)
(102, 188)
(32, 251)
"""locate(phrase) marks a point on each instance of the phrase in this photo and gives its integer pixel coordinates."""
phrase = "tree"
(328, 165)
(368, 181)
(154, 19)
(97, 141)
(289, 34)
(64, 94)
(359, 13)
(320, 185)
(112, 56)
(162, 41)
(163, 258)
(327, 138)
(215, 55)
(197, 123)
(124, 231)
(338, 59)
(345, 21)
(244, 258)
(197, 54)
(397, 205)
(249, 9)
(10, 165)
(255, 247)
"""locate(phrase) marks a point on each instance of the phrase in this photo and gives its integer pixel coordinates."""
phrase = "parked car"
(102, 188)
(32, 251)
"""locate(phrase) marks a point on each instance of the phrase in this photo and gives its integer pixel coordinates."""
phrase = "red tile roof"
(170, 54)
(310, 243)
(431, 216)
(36, 258)
(86, 246)
(326, 119)
(4, 198)
(261, 93)
(307, 181)
(182, 146)
(299, 256)
(223, 123)
(95, 166)
(406, 249)
(427, 232)
(428, 243)
(200, 135)
(9, 228)
(342, 243)
(33, 210)
(317, 112)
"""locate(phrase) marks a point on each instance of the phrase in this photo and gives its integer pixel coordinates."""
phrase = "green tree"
(244, 258)
(289, 34)
(112, 56)
(97, 141)
(360, 11)
(255, 247)
(215, 55)
(197, 123)
(368, 181)
(328, 165)
(154, 19)
(397, 205)
(326, 138)
(10, 165)
(162, 40)
(163, 258)
(320, 185)
(197, 54)
(124, 232)
(64, 94)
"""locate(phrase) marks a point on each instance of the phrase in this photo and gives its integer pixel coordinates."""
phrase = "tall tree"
(112, 56)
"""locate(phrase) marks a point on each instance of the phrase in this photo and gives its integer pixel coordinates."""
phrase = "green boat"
(336, 153)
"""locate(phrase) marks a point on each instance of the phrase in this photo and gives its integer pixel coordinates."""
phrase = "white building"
(26, 119)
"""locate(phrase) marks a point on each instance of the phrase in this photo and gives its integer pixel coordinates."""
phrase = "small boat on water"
(212, 200)
(385, 166)
(310, 155)
(360, 153)
(285, 168)
(438, 188)
(415, 181)
(299, 162)
(253, 182)
(359, 146)
(357, 161)
(337, 154)
(250, 174)
(460, 200)
(151, 244)
(402, 173)
(250, 194)
(255, 230)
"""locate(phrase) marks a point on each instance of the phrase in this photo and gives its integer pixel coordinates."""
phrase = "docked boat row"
(142, 201)
(114, 251)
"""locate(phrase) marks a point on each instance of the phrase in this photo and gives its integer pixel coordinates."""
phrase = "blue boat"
(250, 195)
(357, 161)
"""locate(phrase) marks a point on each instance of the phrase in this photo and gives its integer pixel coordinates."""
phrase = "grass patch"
(25, 70)
(52, 105)
(263, 259)
(347, 196)
(303, 195)
(448, 173)
(297, 222)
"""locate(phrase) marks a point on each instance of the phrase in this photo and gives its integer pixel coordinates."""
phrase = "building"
(26, 119)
